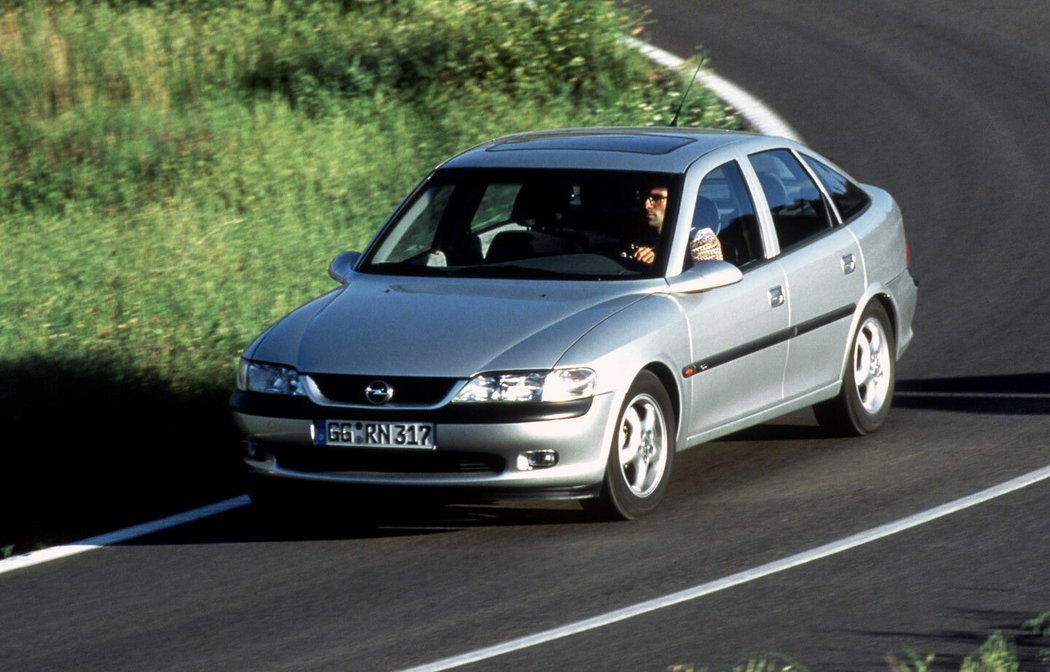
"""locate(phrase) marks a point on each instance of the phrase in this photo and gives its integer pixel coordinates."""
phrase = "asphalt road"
(940, 102)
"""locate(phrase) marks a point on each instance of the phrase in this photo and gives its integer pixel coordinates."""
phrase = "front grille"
(408, 390)
(333, 460)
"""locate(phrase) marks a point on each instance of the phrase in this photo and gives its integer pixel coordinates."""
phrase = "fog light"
(537, 459)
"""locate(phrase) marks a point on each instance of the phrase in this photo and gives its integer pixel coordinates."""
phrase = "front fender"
(649, 334)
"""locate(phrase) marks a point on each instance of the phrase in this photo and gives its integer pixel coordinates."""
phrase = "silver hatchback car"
(554, 314)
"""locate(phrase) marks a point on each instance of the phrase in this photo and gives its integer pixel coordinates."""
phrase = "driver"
(655, 206)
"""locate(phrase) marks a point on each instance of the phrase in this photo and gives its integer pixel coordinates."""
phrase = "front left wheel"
(641, 456)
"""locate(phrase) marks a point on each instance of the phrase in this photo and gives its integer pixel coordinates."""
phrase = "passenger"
(703, 239)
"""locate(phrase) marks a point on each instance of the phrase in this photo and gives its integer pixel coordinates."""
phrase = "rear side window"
(849, 198)
(796, 204)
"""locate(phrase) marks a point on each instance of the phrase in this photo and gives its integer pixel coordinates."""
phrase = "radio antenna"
(681, 103)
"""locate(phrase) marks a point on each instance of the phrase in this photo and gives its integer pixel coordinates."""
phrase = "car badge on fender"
(379, 392)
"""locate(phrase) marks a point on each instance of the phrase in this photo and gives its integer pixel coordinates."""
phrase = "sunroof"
(639, 143)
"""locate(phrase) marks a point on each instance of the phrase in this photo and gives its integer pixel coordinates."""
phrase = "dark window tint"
(795, 202)
(528, 224)
(724, 205)
(849, 198)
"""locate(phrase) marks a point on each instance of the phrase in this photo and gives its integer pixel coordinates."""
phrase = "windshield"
(544, 224)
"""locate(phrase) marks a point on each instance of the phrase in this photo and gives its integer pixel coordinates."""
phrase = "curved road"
(940, 102)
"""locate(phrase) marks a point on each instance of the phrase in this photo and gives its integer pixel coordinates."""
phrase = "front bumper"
(478, 447)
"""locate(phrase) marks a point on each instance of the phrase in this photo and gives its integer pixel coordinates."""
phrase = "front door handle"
(776, 296)
(849, 264)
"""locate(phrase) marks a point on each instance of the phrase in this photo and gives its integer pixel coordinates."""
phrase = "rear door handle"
(776, 296)
(849, 264)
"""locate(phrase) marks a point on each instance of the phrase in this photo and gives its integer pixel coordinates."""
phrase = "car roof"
(669, 150)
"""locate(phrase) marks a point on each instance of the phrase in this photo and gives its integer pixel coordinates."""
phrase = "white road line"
(739, 578)
(761, 117)
(128, 533)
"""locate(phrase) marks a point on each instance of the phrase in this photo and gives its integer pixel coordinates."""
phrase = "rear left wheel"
(867, 387)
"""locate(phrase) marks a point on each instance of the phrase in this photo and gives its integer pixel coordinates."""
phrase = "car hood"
(449, 327)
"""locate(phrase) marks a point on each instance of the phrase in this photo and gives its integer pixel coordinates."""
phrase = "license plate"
(360, 434)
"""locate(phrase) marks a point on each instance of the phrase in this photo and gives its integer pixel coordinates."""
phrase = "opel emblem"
(379, 392)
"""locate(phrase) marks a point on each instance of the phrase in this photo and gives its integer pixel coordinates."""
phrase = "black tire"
(641, 456)
(867, 385)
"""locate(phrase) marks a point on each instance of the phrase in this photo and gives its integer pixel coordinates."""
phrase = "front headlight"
(549, 386)
(268, 378)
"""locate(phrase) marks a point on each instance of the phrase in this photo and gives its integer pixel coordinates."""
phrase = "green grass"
(176, 176)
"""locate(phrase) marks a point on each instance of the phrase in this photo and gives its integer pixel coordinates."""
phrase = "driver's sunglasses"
(655, 198)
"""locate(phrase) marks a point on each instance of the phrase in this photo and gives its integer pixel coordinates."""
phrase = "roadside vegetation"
(175, 176)
(1026, 651)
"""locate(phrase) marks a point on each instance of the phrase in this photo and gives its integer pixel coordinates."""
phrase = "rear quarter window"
(848, 197)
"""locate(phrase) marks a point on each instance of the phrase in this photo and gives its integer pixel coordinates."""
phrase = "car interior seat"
(540, 208)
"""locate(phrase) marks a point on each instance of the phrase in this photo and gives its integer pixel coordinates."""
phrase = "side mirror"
(342, 267)
(705, 275)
